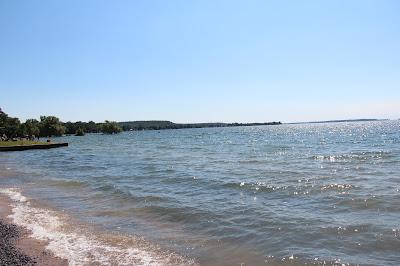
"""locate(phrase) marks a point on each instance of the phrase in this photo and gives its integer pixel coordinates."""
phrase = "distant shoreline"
(160, 125)
(337, 121)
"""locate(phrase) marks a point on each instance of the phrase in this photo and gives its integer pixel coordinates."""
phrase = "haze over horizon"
(200, 61)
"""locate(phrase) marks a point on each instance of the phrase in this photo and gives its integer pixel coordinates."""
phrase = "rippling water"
(309, 194)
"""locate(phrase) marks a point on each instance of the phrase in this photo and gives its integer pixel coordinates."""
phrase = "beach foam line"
(80, 247)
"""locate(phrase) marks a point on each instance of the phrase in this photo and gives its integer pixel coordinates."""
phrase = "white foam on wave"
(13, 194)
(81, 248)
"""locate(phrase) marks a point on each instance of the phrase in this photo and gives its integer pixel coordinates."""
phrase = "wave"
(338, 187)
(79, 246)
(354, 156)
(362, 203)
(254, 186)
(302, 187)
(65, 183)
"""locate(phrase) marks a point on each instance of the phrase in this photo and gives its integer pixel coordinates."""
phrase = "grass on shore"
(21, 143)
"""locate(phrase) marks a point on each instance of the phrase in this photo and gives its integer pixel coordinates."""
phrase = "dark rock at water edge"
(9, 254)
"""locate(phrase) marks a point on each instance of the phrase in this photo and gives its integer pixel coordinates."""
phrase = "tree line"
(49, 126)
(159, 125)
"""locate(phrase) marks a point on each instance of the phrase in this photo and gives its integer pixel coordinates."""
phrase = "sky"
(200, 60)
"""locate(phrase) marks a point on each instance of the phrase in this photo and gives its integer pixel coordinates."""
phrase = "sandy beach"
(29, 235)
(16, 245)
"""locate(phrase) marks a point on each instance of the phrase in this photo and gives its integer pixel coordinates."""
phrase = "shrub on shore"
(111, 127)
(80, 132)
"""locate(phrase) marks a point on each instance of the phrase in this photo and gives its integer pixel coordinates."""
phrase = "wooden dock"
(33, 147)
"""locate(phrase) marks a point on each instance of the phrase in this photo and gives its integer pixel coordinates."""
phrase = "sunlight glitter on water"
(80, 247)
(245, 194)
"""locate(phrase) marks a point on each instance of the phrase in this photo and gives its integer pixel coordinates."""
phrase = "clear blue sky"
(200, 61)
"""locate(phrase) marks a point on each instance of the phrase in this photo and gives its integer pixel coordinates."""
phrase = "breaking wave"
(79, 246)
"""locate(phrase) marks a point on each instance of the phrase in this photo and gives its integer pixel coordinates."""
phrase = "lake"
(287, 194)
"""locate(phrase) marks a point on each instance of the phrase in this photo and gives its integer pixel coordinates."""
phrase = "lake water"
(287, 194)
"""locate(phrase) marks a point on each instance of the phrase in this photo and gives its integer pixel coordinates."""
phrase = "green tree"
(51, 126)
(31, 127)
(92, 127)
(80, 132)
(111, 127)
(9, 125)
(70, 128)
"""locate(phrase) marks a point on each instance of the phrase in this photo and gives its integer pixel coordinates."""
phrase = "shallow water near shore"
(302, 194)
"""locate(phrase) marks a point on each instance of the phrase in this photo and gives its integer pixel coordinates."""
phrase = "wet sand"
(16, 245)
